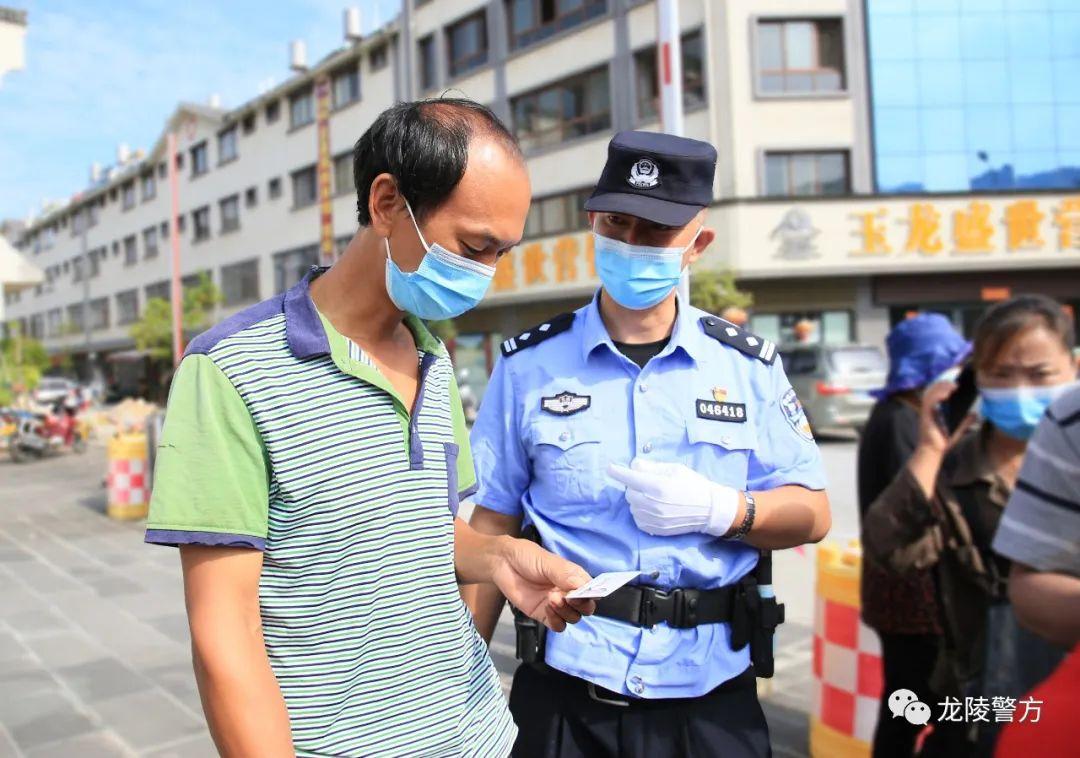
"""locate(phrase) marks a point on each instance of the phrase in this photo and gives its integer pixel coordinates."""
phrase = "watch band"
(748, 518)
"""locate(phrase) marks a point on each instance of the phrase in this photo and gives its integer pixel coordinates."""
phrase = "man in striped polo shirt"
(312, 461)
(1040, 528)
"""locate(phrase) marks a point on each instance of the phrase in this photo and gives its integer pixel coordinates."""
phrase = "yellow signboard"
(974, 229)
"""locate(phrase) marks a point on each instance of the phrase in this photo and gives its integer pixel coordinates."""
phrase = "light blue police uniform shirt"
(537, 461)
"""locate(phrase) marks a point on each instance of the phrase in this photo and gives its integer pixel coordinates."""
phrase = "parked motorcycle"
(39, 434)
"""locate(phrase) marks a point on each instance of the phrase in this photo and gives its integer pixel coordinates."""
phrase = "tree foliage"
(713, 291)
(22, 363)
(153, 331)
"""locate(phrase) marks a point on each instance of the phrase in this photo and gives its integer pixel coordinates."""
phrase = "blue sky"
(100, 72)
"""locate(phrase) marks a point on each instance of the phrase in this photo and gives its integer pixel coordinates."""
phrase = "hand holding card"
(603, 585)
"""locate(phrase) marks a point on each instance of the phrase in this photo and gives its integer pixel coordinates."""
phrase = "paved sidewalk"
(94, 656)
(94, 648)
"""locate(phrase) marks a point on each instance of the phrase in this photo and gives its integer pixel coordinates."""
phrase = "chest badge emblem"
(565, 403)
(719, 394)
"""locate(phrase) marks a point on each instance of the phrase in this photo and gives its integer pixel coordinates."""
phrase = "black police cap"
(657, 177)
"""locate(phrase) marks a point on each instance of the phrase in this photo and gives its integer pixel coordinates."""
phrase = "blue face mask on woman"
(636, 276)
(1016, 410)
(444, 286)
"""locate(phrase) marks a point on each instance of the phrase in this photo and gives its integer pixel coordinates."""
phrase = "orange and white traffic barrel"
(846, 661)
(128, 479)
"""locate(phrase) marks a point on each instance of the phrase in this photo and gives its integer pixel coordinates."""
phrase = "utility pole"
(174, 237)
(669, 74)
(84, 223)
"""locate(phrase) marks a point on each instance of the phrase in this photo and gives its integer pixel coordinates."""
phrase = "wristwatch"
(748, 518)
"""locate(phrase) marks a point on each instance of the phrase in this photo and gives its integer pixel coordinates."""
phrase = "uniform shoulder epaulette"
(740, 339)
(536, 335)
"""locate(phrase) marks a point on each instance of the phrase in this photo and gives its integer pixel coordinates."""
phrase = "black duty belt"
(646, 606)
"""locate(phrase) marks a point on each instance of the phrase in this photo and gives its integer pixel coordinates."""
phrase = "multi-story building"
(875, 157)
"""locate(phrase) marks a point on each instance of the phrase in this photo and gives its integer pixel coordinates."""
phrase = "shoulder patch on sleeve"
(740, 339)
(539, 333)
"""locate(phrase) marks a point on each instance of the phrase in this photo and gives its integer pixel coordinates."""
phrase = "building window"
(558, 214)
(292, 265)
(346, 86)
(75, 318)
(78, 221)
(301, 108)
(200, 163)
(571, 108)
(180, 224)
(162, 170)
(240, 282)
(37, 326)
(131, 250)
(127, 307)
(251, 197)
(96, 257)
(648, 84)
(247, 124)
(273, 188)
(128, 191)
(230, 214)
(201, 221)
(159, 291)
(54, 322)
(150, 242)
(343, 174)
(149, 186)
(273, 111)
(965, 100)
(800, 56)
(428, 67)
(378, 58)
(467, 43)
(533, 20)
(304, 187)
(226, 145)
(799, 174)
(99, 313)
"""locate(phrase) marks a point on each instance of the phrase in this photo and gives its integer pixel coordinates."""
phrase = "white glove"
(670, 498)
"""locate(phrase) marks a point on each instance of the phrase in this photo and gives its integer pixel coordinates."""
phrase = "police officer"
(641, 434)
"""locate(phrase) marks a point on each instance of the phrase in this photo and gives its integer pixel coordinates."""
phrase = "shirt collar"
(973, 462)
(304, 328)
(685, 336)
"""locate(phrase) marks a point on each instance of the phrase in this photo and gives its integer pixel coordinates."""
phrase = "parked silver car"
(834, 382)
(53, 389)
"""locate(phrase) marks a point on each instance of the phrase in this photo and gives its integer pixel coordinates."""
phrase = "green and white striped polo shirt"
(280, 438)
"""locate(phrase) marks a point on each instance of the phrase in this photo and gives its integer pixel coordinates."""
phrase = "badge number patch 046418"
(565, 403)
(721, 411)
(795, 415)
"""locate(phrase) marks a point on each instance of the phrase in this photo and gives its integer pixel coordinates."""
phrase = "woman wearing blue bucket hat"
(903, 610)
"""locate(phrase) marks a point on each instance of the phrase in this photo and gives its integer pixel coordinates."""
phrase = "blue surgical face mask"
(638, 277)
(1016, 410)
(444, 286)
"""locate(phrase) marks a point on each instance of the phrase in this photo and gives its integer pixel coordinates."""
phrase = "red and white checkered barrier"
(846, 663)
(127, 479)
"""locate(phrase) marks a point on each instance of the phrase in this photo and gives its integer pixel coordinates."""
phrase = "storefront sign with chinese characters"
(973, 230)
(896, 234)
(546, 265)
